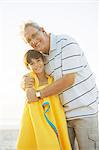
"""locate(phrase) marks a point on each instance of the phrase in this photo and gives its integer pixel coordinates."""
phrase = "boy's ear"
(28, 67)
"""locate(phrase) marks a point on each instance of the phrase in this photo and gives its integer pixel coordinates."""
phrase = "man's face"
(37, 38)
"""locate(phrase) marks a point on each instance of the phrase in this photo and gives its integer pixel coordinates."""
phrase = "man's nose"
(33, 43)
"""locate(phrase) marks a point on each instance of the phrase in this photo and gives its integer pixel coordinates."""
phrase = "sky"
(77, 19)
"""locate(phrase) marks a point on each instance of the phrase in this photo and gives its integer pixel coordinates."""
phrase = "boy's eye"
(38, 60)
(31, 63)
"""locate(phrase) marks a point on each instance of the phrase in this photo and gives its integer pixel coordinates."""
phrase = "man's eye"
(28, 40)
(33, 36)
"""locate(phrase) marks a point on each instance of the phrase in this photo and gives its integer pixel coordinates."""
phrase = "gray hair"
(26, 24)
(30, 23)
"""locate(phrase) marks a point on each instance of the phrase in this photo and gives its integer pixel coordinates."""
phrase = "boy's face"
(37, 65)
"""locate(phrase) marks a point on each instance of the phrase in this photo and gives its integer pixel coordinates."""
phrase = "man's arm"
(59, 85)
(55, 88)
(30, 95)
(27, 82)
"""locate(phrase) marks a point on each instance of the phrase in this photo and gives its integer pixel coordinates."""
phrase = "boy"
(43, 124)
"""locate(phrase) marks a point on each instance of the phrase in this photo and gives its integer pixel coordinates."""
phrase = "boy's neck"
(41, 76)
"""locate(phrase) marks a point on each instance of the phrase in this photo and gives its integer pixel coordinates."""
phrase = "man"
(74, 82)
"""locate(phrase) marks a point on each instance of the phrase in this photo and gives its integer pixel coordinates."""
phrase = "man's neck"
(46, 53)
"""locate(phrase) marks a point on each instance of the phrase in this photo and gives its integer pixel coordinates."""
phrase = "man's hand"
(30, 95)
(27, 82)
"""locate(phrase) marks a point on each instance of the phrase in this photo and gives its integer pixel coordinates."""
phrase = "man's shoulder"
(64, 38)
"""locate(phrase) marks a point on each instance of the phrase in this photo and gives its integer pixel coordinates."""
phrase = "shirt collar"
(52, 42)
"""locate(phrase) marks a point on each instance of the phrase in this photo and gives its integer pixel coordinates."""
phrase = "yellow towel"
(35, 131)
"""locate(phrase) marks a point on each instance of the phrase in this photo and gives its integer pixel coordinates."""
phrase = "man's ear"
(42, 29)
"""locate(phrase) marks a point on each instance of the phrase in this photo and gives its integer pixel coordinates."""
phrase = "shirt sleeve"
(71, 57)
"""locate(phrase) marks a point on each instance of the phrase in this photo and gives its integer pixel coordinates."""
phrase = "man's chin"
(44, 53)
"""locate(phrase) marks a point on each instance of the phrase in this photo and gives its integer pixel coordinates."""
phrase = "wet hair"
(32, 54)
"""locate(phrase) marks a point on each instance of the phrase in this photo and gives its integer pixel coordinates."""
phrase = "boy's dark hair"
(32, 54)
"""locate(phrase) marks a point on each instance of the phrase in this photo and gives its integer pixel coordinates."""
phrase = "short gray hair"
(26, 24)
(30, 23)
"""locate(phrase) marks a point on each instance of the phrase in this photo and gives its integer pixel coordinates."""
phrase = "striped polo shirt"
(81, 99)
